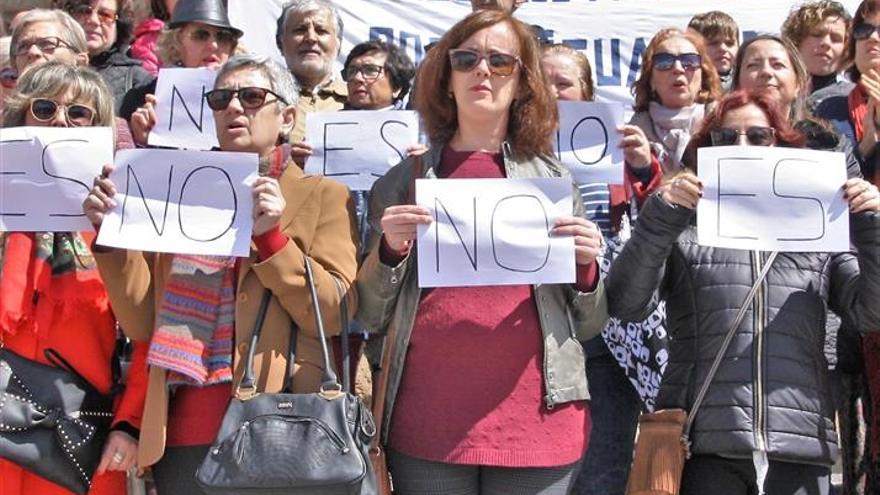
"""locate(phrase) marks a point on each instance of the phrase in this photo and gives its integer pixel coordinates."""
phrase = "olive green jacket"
(389, 296)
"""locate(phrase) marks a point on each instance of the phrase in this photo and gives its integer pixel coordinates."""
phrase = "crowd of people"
(487, 389)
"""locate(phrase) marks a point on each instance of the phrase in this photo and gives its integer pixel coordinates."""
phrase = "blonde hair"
(586, 74)
(55, 78)
(168, 46)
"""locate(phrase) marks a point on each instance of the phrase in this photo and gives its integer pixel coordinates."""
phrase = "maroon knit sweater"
(473, 386)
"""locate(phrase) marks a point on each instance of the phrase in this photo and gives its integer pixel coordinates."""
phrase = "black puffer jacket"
(772, 387)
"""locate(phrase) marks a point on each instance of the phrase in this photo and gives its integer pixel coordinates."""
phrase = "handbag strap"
(344, 343)
(329, 382)
(685, 436)
(248, 384)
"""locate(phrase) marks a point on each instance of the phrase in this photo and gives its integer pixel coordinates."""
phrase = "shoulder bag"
(53, 422)
(291, 444)
(664, 436)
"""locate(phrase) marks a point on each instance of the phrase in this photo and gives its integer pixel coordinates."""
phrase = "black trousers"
(175, 473)
(707, 474)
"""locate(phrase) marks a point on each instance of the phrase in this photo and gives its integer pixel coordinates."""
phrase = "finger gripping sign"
(772, 198)
(358, 147)
(46, 173)
(191, 202)
(494, 232)
(183, 119)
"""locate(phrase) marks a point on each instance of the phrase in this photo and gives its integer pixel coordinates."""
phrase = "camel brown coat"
(320, 225)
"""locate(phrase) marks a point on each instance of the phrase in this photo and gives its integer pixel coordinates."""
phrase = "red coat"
(83, 331)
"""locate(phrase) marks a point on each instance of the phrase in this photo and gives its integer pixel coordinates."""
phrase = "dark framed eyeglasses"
(84, 11)
(250, 97)
(500, 64)
(864, 31)
(666, 61)
(8, 77)
(222, 36)
(46, 45)
(755, 135)
(370, 72)
(75, 114)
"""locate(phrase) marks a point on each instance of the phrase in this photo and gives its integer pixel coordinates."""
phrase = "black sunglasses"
(371, 72)
(666, 61)
(755, 135)
(500, 64)
(222, 36)
(864, 31)
(250, 97)
(76, 114)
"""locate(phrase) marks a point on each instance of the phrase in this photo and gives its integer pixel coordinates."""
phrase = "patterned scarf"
(46, 277)
(196, 322)
(673, 127)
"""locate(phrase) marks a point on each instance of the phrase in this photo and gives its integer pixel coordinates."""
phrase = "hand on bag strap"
(701, 395)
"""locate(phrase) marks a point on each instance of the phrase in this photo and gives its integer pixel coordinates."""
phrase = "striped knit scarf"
(196, 322)
(193, 340)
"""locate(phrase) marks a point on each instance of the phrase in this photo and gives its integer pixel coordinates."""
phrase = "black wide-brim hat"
(210, 12)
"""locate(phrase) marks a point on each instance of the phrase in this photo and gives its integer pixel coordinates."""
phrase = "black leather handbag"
(291, 444)
(53, 422)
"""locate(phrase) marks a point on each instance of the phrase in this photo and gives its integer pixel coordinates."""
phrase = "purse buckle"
(246, 392)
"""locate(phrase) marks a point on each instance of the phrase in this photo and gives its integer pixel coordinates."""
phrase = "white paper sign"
(46, 173)
(191, 202)
(183, 119)
(587, 141)
(494, 232)
(358, 147)
(775, 198)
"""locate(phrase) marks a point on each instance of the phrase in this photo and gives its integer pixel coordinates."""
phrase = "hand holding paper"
(587, 238)
(268, 204)
(400, 224)
(636, 150)
(684, 189)
(100, 199)
(862, 196)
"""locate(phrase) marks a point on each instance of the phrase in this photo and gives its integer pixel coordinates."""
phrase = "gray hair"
(280, 79)
(55, 78)
(69, 30)
(306, 7)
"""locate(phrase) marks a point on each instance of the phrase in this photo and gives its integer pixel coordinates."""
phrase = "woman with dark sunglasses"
(295, 215)
(197, 35)
(51, 293)
(676, 83)
(769, 413)
(107, 25)
(855, 115)
(487, 387)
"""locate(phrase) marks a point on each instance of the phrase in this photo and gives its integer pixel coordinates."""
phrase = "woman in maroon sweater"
(487, 385)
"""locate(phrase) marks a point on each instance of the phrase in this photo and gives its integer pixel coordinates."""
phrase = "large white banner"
(612, 33)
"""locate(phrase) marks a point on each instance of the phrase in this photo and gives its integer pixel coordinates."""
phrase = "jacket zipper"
(760, 436)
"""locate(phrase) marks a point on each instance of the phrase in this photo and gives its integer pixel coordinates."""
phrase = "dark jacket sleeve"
(855, 280)
(639, 270)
